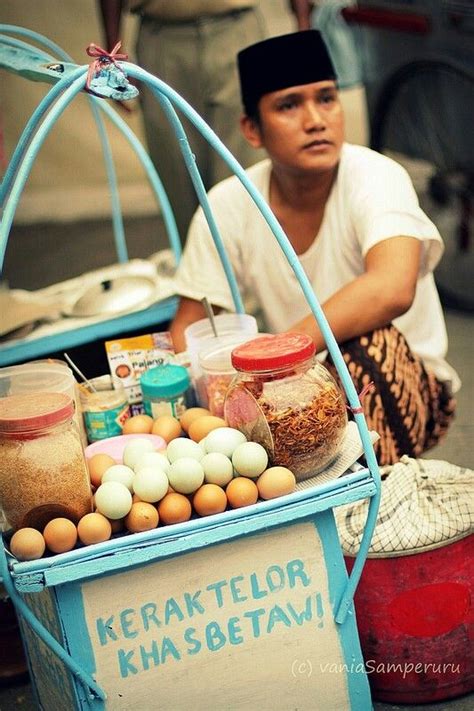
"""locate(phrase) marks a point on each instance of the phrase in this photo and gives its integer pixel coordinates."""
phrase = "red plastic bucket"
(415, 617)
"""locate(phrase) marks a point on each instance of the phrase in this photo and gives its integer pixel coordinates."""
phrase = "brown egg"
(27, 544)
(209, 499)
(60, 535)
(117, 524)
(167, 427)
(138, 424)
(241, 491)
(274, 482)
(191, 414)
(94, 528)
(98, 464)
(141, 517)
(203, 425)
(174, 508)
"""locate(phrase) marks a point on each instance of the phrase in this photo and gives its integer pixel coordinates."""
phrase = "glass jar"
(164, 390)
(43, 472)
(105, 409)
(285, 400)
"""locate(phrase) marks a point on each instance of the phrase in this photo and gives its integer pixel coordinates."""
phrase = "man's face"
(302, 127)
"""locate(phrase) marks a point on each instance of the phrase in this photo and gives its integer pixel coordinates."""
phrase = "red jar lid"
(273, 351)
(34, 411)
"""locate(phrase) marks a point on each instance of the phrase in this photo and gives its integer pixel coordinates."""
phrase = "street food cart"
(243, 609)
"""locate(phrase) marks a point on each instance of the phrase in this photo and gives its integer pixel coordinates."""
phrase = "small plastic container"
(199, 335)
(217, 371)
(105, 410)
(285, 400)
(43, 472)
(164, 390)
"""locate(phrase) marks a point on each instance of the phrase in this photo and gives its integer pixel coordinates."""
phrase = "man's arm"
(111, 16)
(188, 312)
(110, 13)
(385, 290)
(302, 10)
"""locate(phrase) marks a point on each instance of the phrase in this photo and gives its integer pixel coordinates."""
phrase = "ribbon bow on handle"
(118, 85)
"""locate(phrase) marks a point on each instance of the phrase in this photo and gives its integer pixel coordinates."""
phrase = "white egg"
(250, 459)
(156, 460)
(120, 473)
(184, 447)
(224, 440)
(150, 484)
(113, 500)
(186, 475)
(134, 450)
(218, 468)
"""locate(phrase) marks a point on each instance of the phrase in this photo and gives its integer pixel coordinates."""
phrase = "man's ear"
(251, 131)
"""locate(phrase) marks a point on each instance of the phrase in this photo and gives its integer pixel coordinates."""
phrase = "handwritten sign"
(227, 624)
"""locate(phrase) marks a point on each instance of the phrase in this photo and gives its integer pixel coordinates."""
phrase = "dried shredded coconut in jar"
(43, 473)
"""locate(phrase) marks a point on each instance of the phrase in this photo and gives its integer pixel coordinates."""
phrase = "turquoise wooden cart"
(251, 608)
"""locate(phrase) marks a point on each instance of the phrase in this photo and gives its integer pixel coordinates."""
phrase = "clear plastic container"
(283, 398)
(164, 390)
(217, 371)
(43, 472)
(199, 335)
(47, 375)
(105, 410)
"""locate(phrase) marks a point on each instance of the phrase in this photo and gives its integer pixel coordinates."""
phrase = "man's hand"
(189, 311)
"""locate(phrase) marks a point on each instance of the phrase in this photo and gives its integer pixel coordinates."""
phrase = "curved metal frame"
(96, 103)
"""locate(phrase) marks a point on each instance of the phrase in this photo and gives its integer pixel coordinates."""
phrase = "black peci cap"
(280, 62)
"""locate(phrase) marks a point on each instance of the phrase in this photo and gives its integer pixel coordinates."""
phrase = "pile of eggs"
(205, 469)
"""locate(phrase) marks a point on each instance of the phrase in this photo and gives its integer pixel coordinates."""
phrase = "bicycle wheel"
(424, 121)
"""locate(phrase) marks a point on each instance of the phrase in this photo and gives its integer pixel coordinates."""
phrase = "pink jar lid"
(273, 351)
(34, 411)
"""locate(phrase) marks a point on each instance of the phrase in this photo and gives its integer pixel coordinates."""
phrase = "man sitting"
(353, 218)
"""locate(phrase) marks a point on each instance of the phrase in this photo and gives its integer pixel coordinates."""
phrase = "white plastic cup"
(199, 335)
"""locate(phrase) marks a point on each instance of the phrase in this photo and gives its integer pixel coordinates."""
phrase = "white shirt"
(372, 199)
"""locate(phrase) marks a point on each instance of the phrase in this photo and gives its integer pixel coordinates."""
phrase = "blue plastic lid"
(165, 381)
